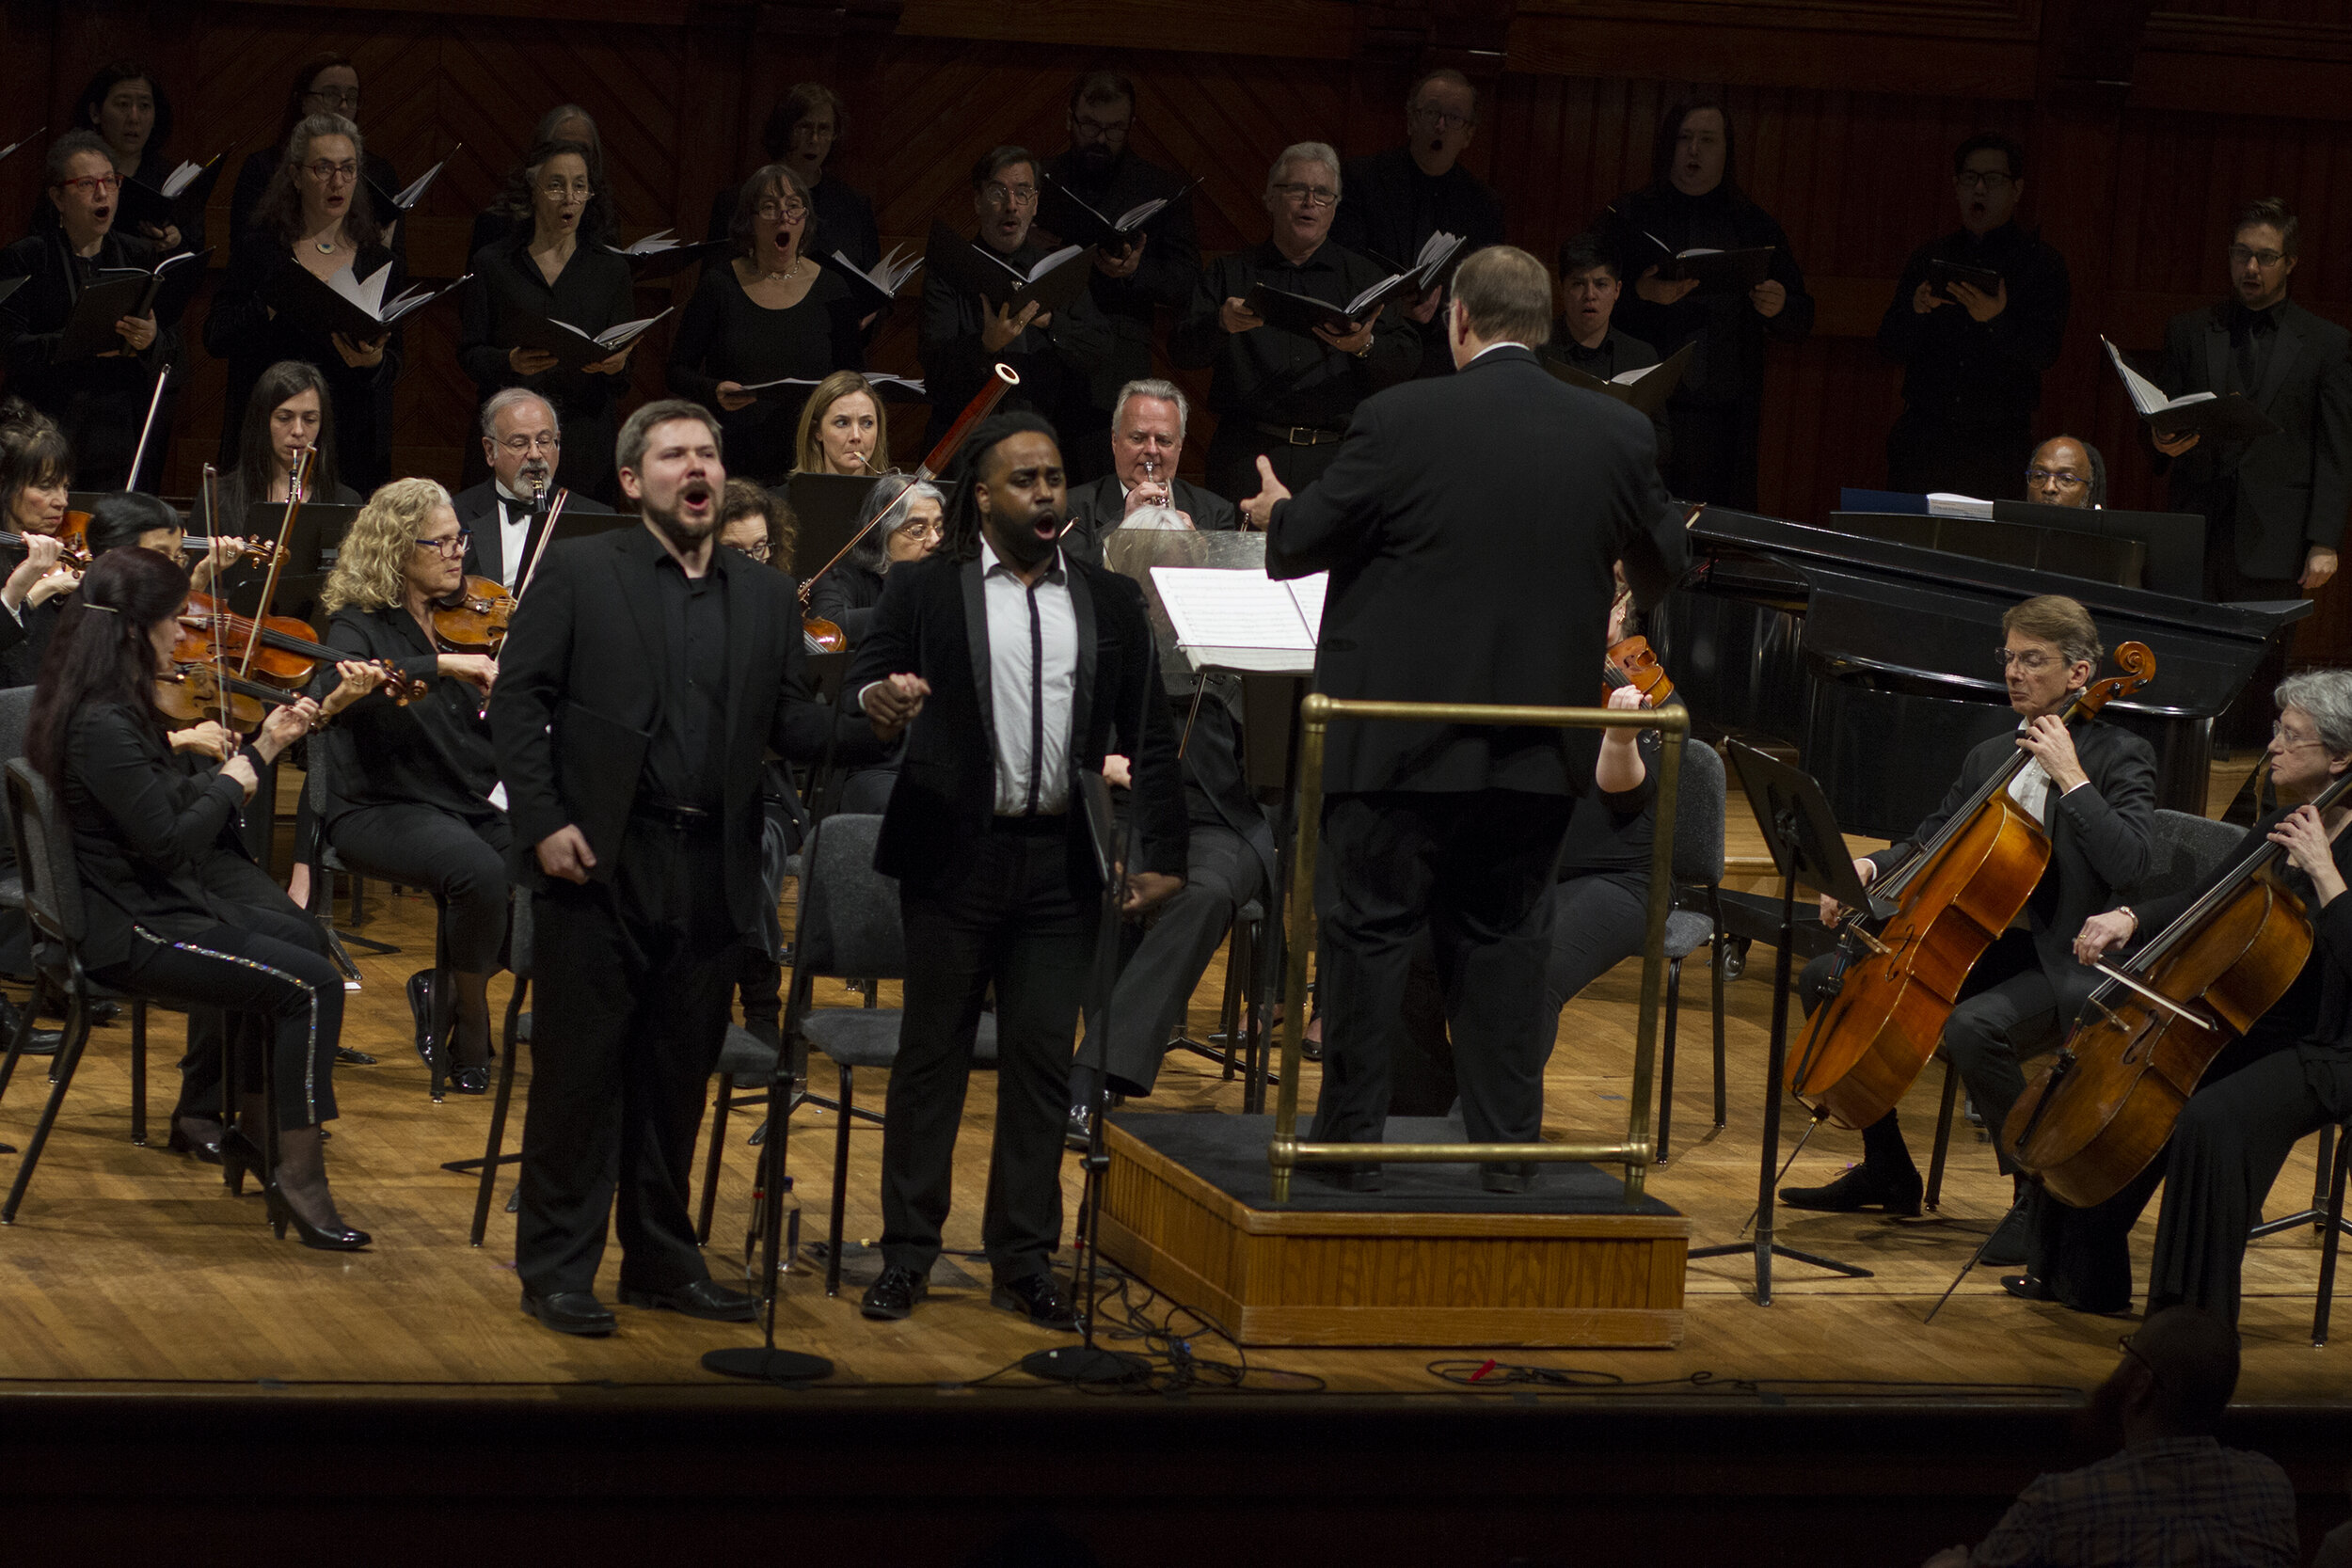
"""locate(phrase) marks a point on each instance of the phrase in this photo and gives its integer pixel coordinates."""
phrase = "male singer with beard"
(648, 673)
(1020, 667)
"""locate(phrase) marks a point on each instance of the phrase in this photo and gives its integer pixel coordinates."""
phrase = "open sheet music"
(2218, 414)
(1231, 620)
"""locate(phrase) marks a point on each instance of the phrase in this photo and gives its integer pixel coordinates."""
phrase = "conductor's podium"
(1433, 1260)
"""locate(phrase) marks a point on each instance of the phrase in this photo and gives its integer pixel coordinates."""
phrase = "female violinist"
(409, 787)
(844, 428)
(36, 473)
(755, 520)
(142, 827)
(847, 595)
(2284, 1079)
(290, 411)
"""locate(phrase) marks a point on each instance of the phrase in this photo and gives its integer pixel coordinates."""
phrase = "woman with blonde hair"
(843, 428)
(409, 788)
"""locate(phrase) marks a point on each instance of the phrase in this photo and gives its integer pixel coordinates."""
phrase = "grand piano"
(1869, 647)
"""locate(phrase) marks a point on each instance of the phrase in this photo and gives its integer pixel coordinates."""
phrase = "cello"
(1954, 894)
(2094, 1119)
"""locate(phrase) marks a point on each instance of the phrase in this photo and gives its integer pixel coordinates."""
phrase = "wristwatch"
(1365, 351)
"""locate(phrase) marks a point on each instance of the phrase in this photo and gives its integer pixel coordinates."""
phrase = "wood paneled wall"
(2148, 121)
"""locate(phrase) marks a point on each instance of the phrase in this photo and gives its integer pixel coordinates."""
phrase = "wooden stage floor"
(131, 1270)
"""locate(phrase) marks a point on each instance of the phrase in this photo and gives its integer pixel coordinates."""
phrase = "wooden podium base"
(1443, 1265)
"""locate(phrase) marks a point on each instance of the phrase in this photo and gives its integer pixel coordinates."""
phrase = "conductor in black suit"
(647, 676)
(504, 514)
(2273, 507)
(1026, 666)
(1469, 526)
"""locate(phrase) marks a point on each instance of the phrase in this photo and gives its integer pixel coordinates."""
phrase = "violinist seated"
(756, 521)
(847, 595)
(505, 515)
(144, 830)
(129, 518)
(2286, 1077)
(2092, 790)
(409, 786)
(1148, 423)
(288, 414)
(36, 473)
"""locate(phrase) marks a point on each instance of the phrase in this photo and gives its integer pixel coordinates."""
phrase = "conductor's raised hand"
(891, 703)
(564, 854)
(1258, 511)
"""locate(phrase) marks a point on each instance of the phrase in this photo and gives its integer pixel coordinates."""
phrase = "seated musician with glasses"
(757, 522)
(505, 515)
(408, 786)
(2286, 1077)
(1277, 393)
(2067, 470)
(2091, 790)
(546, 271)
(847, 595)
(770, 313)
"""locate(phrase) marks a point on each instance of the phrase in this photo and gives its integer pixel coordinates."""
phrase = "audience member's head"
(2176, 1377)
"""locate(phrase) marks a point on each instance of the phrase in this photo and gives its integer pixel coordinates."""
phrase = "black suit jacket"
(2101, 838)
(478, 514)
(932, 621)
(2281, 494)
(1469, 524)
(579, 679)
(1098, 508)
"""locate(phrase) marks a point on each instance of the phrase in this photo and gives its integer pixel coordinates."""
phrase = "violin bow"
(154, 406)
(294, 482)
(546, 532)
(212, 539)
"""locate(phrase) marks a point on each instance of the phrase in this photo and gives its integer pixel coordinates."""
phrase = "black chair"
(2332, 1178)
(1697, 865)
(518, 1035)
(1240, 1045)
(52, 900)
(326, 865)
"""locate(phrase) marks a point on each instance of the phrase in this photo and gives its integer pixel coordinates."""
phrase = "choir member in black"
(1497, 500)
(1159, 269)
(99, 401)
(408, 786)
(36, 474)
(506, 514)
(1585, 336)
(2067, 470)
(1276, 392)
(768, 313)
(1057, 352)
(326, 84)
(512, 213)
(289, 412)
(804, 130)
(1147, 441)
(1972, 358)
(552, 273)
(1694, 202)
(141, 823)
(847, 595)
(990, 841)
(315, 215)
(843, 429)
(2274, 508)
(1396, 199)
(2285, 1078)
(125, 104)
(2092, 791)
(645, 675)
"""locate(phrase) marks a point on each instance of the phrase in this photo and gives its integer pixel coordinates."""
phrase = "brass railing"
(1639, 1147)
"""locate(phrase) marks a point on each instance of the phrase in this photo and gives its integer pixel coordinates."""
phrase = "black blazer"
(478, 514)
(1102, 506)
(433, 751)
(2101, 840)
(2290, 489)
(847, 595)
(932, 621)
(1469, 524)
(580, 680)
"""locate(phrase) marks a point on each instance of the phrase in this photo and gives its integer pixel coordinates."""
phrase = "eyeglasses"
(2061, 475)
(782, 212)
(454, 545)
(2032, 660)
(920, 531)
(92, 185)
(520, 445)
(2289, 740)
(342, 98)
(814, 130)
(2240, 255)
(331, 174)
(575, 190)
(1087, 125)
(1982, 181)
(1444, 120)
(1313, 196)
(758, 551)
(1010, 196)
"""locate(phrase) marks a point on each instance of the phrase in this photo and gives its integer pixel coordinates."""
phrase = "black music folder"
(1050, 283)
(350, 305)
(178, 202)
(1062, 212)
(2223, 415)
(575, 349)
(121, 291)
(876, 289)
(1646, 390)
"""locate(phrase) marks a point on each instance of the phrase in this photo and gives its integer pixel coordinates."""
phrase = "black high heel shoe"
(239, 1158)
(282, 1213)
(421, 1010)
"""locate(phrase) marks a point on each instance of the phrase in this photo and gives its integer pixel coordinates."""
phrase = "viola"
(1895, 988)
(2105, 1106)
(473, 620)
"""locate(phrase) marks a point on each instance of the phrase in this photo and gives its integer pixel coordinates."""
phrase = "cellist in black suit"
(1470, 525)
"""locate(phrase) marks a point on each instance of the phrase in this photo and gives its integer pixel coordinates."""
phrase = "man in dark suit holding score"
(1469, 524)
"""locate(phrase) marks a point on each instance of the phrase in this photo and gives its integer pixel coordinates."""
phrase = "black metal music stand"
(1806, 846)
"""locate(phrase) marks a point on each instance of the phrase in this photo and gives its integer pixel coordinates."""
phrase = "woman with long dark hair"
(316, 215)
(290, 411)
(125, 104)
(142, 824)
(36, 474)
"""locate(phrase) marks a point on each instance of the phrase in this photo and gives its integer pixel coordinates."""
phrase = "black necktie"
(1037, 701)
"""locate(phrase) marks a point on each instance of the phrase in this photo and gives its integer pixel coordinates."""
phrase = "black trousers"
(462, 860)
(265, 908)
(1012, 919)
(1925, 453)
(633, 982)
(1472, 870)
(1233, 451)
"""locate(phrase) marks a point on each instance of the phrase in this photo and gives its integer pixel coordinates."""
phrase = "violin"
(474, 619)
(1635, 664)
(74, 540)
(194, 694)
(1893, 989)
(2105, 1106)
(258, 552)
(286, 657)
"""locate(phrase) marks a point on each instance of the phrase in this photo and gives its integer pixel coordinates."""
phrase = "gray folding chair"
(1698, 875)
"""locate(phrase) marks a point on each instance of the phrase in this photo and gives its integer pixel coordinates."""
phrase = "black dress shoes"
(1040, 1298)
(468, 1080)
(894, 1296)
(421, 1010)
(704, 1298)
(196, 1136)
(1348, 1179)
(2026, 1287)
(41, 1042)
(1860, 1188)
(571, 1312)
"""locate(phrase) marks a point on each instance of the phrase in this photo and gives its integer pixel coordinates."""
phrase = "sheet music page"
(1306, 594)
(1214, 608)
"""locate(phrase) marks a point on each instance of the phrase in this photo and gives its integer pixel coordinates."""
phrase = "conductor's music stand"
(1806, 846)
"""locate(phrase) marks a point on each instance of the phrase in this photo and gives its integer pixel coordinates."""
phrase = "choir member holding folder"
(315, 216)
(1730, 306)
(548, 275)
(511, 214)
(804, 130)
(326, 84)
(770, 312)
(125, 105)
(1288, 390)
(97, 395)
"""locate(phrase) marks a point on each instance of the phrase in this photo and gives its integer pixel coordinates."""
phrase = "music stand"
(1806, 846)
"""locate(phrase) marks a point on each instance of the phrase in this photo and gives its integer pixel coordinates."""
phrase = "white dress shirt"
(513, 534)
(1033, 683)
